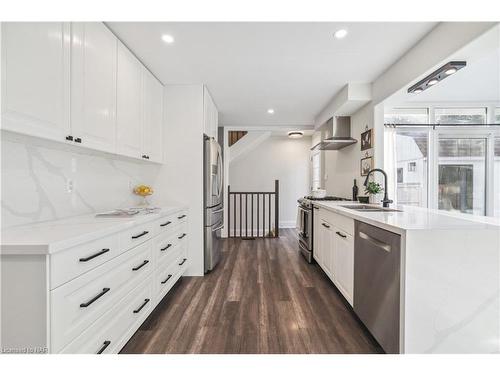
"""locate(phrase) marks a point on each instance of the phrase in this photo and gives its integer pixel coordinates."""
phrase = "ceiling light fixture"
(339, 34)
(169, 39)
(270, 111)
(437, 76)
(295, 134)
(450, 71)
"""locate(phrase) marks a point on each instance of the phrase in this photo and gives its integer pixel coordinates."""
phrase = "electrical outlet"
(70, 185)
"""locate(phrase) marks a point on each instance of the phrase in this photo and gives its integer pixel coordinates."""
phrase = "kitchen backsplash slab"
(44, 181)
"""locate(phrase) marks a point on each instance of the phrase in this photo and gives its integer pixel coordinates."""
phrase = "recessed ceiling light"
(295, 134)
(339, 34)
(450, 71)
(433, 81)
(167, 38)
(270, 111)
(416, 91)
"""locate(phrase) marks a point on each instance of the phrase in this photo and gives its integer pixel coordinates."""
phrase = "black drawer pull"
(141, 307)
(168, 278)
(183, 261)
(140, 266)
(165, 224)
(341, 235)
(325, 225)
(69, 138)
(87, 304)
(181, 217)
(78, 140)
(166, 247)
(105, 344)
(140, 235)
(182, 236)
(103, 251)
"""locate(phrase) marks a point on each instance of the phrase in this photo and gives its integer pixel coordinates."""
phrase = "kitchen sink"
(369, 208)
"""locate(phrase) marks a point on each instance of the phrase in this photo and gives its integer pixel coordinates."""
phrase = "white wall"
(36, 174)
(181, 178)
(343, 166)
(277, 158)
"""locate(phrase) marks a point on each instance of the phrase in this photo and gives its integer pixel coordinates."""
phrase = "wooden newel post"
(276, 206)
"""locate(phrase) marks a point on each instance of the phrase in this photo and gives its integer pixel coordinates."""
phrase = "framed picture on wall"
(366, 165)
(366, 140)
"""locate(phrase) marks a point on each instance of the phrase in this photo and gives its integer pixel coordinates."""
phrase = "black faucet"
(386, 200)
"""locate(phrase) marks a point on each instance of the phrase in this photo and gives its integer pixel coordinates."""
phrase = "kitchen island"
(445, 277)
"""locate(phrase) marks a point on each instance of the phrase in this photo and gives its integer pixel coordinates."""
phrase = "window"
(460, 115)
(496, 176)
(462, 175)
(406, 116)
(316, 170)
(411, 155)
(497, 115)
(400, 175)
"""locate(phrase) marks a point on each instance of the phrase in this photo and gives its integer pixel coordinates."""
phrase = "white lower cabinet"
(334, 249)
(343, 263)
(92, 296)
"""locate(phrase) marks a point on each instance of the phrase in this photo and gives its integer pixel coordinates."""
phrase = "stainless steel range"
(306, 240)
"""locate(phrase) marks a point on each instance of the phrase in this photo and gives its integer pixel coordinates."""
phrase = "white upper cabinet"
(129, 103)
(152, 118)
(211, 115)
(77, 83)
(35, 78)
(93, 85)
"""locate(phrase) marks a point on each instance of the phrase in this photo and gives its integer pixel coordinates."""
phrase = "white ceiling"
(295, 68)
(478, 82)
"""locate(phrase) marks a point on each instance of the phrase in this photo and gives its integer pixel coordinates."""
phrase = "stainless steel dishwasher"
(377, 255)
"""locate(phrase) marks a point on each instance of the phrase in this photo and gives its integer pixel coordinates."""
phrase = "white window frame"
(460, 132)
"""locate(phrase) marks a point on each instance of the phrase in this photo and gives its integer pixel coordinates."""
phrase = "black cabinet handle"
(341, 235)
(142, 306)
(140, 235)
(183, 261)
(165, 224)
(103, 251)
(105, 344)
(140, 265)
(87, 304)
(325, 225)
(182, 236)
(168, 278)
(166, 247)
(69, 138)
(78, 140)
(181, 217)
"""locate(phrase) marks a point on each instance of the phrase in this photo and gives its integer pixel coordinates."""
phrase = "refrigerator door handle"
(218, 228)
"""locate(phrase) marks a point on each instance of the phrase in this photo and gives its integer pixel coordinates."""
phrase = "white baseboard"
(288, 224)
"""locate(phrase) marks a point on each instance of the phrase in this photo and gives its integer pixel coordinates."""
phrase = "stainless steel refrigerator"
(213, 174)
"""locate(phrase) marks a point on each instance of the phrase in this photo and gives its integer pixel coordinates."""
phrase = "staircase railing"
(253, 214)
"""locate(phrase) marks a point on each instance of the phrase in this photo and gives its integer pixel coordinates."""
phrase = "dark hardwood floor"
(262, 298)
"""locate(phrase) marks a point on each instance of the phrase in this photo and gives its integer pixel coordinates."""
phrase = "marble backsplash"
(43, 180)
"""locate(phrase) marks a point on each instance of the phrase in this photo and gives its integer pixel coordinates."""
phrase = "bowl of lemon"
(143, 191)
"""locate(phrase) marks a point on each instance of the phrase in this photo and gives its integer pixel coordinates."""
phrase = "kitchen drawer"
(181, 217)
(114, 328)
(73, 262)
(342, 222)
(77, 304)
(137, 235)
(166, 278)
(167, 223)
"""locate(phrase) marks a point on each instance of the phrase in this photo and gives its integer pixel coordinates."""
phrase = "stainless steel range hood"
(335, 134)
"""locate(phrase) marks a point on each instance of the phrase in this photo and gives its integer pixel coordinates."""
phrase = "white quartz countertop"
(412, 218)
(52, 236)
